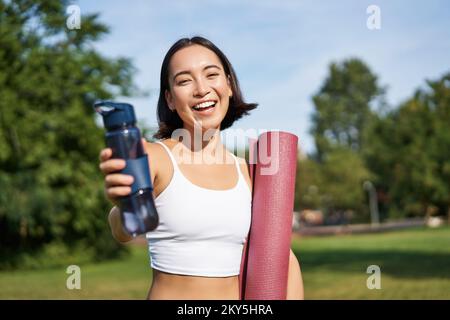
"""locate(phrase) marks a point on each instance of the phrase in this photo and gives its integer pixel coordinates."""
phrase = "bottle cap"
(115, 114)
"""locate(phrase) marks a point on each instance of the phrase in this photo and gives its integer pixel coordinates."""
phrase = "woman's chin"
(209, 130)
(208, 124)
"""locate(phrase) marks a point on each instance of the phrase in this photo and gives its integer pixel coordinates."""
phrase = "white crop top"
(201, 231)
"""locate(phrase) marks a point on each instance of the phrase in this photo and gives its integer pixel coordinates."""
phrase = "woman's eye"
(183, 81)
(212, 75)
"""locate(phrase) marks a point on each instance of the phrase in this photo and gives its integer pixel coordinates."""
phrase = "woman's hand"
(116, 185)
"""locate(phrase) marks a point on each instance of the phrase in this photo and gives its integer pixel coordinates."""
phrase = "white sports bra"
(201, 231)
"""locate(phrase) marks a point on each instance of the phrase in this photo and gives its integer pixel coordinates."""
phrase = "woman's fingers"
(117, 179)
(112, 165)
(115, 192)
(116, 184)
(105, 154)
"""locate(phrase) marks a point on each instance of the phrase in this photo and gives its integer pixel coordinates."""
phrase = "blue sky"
(281, 49)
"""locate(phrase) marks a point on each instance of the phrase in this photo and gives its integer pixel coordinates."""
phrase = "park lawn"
(414, 264)
(129, 278)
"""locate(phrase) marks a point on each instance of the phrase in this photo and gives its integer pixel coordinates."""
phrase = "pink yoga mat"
(265, 258)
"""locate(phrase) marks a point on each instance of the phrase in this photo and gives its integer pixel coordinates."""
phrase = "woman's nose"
(201, 88)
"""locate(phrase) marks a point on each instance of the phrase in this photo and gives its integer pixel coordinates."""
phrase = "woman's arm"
(295, 279)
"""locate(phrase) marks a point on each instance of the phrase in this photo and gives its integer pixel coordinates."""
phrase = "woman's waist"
(173, 286)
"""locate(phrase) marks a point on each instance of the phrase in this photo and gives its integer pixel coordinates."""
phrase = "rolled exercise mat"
(269, 242)
(251, 168)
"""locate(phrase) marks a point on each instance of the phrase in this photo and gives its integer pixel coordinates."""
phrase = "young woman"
(202, 191)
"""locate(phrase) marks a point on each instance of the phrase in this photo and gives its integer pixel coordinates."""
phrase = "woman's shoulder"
(156, 155)
(156, 147)
(244, 166)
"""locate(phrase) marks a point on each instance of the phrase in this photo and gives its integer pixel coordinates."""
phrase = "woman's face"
(199, 88)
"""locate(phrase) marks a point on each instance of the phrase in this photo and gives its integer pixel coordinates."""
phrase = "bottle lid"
(115, 114)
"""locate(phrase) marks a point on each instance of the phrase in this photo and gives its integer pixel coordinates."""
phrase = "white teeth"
(204, 105)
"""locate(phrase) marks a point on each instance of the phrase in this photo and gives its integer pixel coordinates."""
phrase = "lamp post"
(374, 216)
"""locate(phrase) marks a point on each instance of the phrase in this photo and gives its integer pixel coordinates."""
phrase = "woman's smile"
(205, 107)
(200, 90)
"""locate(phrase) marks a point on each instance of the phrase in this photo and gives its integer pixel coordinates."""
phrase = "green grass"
(121, 279)
(415, 264)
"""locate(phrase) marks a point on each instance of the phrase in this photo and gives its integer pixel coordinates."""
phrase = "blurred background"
(364, 84)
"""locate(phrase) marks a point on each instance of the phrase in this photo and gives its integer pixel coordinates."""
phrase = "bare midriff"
(167, 286)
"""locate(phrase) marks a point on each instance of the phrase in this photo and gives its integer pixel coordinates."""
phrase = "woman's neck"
(201, 144)
(200, 140)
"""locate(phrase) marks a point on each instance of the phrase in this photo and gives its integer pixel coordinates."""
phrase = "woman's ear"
(169, 102)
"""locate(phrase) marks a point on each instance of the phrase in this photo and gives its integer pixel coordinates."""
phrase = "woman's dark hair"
(169, 121)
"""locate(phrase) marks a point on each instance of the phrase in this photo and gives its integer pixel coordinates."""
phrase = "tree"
(308, 183)
(343, 107)
(52, 189)
(410, 151)
(334, 186)
(340, 121)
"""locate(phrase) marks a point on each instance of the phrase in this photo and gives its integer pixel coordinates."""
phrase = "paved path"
(357, 228)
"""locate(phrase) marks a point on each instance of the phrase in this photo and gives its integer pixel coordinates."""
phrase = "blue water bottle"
(138, 212)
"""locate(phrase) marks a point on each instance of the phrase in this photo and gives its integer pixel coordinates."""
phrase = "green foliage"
(342, 107)
(410, 151)
(344, 173)
(405, 152)
(334, 185)
(333, 178)
(52, 189)
(307, 185)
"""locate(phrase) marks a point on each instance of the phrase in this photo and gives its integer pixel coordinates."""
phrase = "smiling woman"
(193, 64)
(204, 207)
(199, 89)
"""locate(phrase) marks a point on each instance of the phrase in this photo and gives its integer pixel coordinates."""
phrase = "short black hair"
(169, 121)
